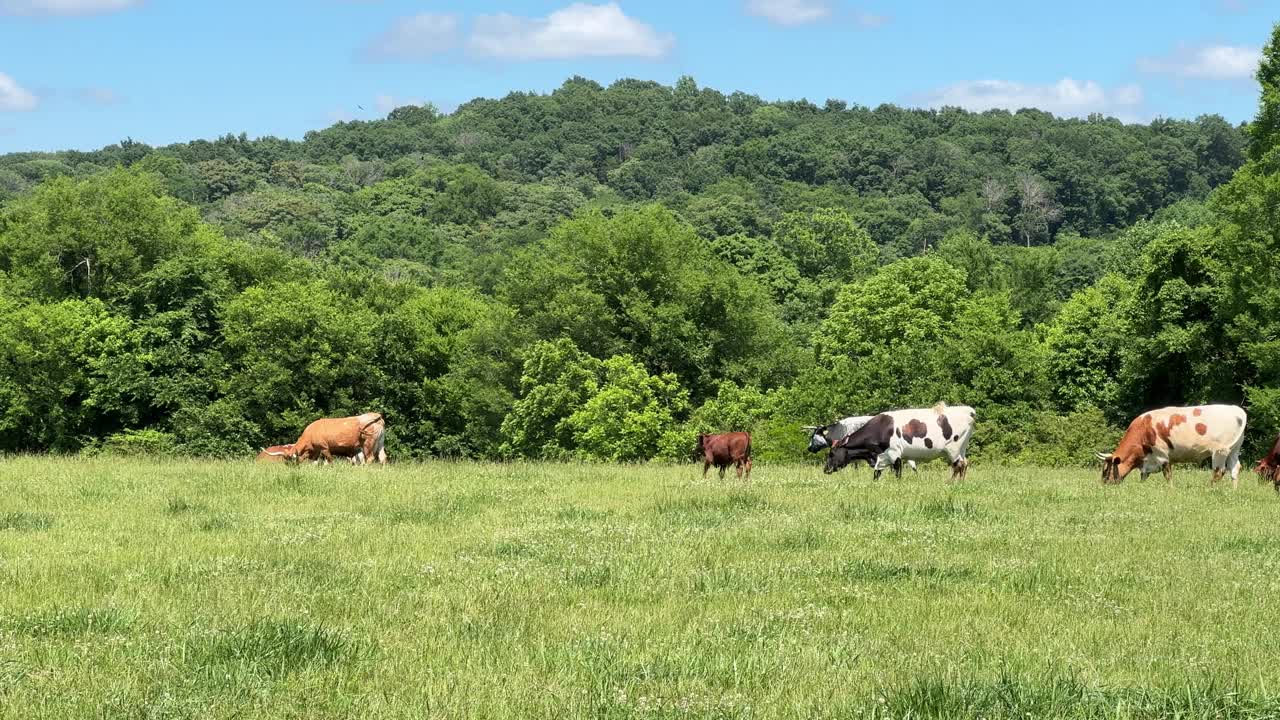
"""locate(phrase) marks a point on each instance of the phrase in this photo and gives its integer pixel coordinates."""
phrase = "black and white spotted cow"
(920, 434)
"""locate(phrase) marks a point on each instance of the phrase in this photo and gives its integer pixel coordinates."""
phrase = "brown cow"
(342, 437)
(1269, 466)
(1158, 438)
(274, 454)
(725, 449)
(280, 453)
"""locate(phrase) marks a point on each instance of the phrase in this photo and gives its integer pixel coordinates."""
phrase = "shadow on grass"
(69, 622)
(273, 648)
(442, 509)
(25, 522)
(864, 570)
(1051, 696)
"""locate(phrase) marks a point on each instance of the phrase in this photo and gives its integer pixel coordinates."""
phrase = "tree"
(1036, 209)
(558, 379)
(644, 284)
(52, 362)
(96, 236)
(297, 351)
(628, 412)
(1086, 343)
(1264, 131)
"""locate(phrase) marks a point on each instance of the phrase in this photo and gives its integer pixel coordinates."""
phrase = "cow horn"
(276, 454)
(810, 427)
(1103, 456)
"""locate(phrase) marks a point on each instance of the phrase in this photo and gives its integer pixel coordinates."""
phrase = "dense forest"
(600, 273)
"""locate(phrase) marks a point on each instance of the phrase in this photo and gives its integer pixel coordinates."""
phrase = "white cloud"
(417, 37)
(14, 97)
(579, 30)
(100, 96)
(789, 12)
(386, 103)
(65, 7)
(870, 20)
(1207, 62)
(1066, 97)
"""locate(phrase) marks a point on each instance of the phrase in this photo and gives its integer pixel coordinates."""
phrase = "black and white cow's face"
(819, 440)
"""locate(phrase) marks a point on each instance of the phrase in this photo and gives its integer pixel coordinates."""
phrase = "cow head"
(1269, 470)
(818, 439)
(700, 448)
(1115, 468)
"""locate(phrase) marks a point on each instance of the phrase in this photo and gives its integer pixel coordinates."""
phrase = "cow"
(358, 437)
(918, 434)
(823, 436)
(279, 454)
(725, 449)
(1158, 438)
(274, 454)
(1269, 466)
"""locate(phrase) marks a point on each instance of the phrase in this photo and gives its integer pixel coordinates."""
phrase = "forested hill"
(602, 272)
(908, 176)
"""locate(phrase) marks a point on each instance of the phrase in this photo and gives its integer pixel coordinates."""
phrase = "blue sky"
(85, 73)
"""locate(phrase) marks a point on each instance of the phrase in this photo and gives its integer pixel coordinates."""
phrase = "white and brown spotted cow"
(922, 434)
(1158, 438)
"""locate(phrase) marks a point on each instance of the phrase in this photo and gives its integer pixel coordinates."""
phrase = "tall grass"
(143, 589)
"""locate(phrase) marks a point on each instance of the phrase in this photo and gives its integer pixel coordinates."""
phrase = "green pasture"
(183, 589)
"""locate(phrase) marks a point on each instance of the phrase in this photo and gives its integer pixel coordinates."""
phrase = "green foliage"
(603, 272)
(141, 443)
(1086, 345)
(53, 365)
(642, 283)
(1021, 435)
(297, 351)
(94, 237)
(628, 412)
(1264, 131)
(558, 379)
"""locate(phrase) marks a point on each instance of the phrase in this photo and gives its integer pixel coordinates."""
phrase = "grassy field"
(180, 589)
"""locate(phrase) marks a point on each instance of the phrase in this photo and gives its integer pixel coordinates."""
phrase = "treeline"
(602, 273)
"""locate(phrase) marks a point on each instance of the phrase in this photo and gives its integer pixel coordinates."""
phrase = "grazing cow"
(279, 454)
(725, 449)
(1158, 438)
(1269, 466)
(824, 436)
(348, 437)
(921, 434)
(274, 454)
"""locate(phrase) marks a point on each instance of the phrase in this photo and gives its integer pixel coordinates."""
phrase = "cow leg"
(705, 467)
(722, 469)
(748, 468)
(1233, 466)
(1167, 469)
(737, 468)
(897, 469)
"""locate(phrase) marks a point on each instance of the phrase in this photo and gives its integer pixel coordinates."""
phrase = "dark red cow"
(1269, 466)
(725, 449)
